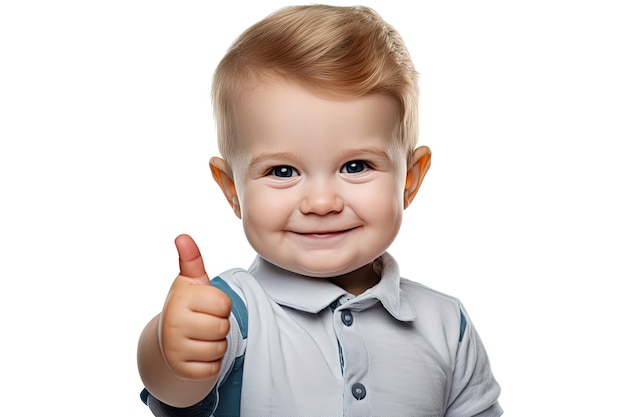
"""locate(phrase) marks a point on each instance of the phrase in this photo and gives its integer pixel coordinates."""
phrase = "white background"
(106, 131)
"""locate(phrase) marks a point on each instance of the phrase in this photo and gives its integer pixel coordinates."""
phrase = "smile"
(324, 234)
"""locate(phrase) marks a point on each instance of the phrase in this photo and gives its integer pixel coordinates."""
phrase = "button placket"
(353, 357)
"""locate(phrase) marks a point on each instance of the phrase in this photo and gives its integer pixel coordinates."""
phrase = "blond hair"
(345, 51)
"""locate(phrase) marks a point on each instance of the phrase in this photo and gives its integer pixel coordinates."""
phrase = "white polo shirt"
(399, 349)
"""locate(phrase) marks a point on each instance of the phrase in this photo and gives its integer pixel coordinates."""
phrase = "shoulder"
(428, 297)
(242, 286)
(237, 280)
(435, 307)
(421, 291)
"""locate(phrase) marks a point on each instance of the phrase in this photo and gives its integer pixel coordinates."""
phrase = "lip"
(326, 234)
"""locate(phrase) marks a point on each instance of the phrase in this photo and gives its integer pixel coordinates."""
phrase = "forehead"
(288, 110)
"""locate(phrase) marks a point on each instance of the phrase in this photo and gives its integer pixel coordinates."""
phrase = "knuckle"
(221, 302)
(200, 371)
(210, 369)
(220, 348)
(227, 304)
(223, 328)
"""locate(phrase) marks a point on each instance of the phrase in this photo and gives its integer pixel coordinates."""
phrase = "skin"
(320, 186)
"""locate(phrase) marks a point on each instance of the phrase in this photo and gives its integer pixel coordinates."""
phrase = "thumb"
(189, 258)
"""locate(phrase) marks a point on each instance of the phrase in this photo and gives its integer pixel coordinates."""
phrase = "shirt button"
(346, 317)
(358, 391)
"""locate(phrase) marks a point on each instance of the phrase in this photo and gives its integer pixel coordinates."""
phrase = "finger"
(196, 371)
(189, 258)
(207, 328)
(209, 300)
(202, 351)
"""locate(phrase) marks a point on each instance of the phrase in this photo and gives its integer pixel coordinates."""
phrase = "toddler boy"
(316, 108)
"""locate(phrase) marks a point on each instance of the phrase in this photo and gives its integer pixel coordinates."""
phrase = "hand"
(194, 321)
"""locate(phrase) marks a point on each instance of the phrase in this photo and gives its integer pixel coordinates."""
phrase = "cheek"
(384, 201)
(390, 216)
(262, 210)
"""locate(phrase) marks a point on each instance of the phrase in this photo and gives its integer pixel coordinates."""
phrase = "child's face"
(319, 183)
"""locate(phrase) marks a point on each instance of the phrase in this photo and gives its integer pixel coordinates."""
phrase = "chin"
(328, 271)
(316, 270)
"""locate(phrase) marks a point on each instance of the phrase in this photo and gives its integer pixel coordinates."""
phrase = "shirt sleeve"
(203, 409)
(474, 391)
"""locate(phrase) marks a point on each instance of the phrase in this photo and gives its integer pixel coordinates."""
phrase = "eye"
(354, 167)
(283, 171)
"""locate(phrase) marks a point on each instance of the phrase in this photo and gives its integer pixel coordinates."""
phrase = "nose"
(321, 198)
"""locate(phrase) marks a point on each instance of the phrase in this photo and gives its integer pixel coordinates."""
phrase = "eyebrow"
(291, 156)
(272, 155)
(373, 152)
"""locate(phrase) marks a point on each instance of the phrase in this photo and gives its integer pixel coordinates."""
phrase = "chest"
(344, 362)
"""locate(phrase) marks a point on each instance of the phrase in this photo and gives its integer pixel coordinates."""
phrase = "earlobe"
(420, 163)
(223, 177)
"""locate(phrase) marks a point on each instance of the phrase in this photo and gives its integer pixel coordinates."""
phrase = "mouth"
(324, 234)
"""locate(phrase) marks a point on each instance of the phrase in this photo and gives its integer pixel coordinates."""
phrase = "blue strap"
(240, 311)
(463, 326)
(230, 388)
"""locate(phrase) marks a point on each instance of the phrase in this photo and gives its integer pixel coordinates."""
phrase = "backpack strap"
(230, 387)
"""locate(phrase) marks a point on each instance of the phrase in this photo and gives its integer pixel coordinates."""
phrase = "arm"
(180, 350)
(474, 389)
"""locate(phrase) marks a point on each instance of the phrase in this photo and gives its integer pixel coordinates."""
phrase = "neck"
(358, 281)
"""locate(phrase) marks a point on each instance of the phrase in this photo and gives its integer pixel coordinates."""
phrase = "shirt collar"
(315, 294)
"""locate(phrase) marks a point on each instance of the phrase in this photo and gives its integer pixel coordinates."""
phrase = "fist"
(194, 322)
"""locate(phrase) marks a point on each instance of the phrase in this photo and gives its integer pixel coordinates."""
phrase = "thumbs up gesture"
(194, 322)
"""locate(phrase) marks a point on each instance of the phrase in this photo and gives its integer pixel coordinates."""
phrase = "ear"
(223, 177)
(420, 162)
